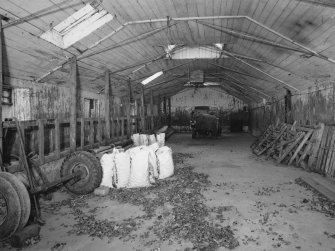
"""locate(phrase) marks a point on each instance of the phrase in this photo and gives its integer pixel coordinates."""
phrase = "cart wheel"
(23, 194)
(90, 168)
(10, 209)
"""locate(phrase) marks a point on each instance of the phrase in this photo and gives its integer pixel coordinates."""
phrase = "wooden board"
(318, 184)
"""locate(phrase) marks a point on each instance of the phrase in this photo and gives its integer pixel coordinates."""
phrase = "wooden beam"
(73, 82)
(1, 87)
(169, 116)
(143, 111)
(152, 109)
(107, 105)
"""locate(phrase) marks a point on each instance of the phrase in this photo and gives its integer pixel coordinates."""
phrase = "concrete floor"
(265, 207)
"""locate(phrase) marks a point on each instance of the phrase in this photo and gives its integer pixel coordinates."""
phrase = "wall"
(183, 102)
(189, 98)
(40, 100)
(314, 105)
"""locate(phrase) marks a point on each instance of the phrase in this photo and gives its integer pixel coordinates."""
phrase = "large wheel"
(23, 194)
(10, 209)
(90, 168)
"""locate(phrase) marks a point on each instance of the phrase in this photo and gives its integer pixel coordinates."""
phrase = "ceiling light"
(152, 77)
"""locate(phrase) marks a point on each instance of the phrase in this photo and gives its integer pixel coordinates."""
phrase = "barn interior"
(81, 78)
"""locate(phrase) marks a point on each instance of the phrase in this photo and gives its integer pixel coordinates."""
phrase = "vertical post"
(143, 111)
(131, 100)
(57, 138)
(129, 125)
(152, 109)
(164, 109)
(91, 132)
(73, 94)
(41, 141)
(169, 116)
(159, 111)
(1, 86)
(107, 105)
(82, 133)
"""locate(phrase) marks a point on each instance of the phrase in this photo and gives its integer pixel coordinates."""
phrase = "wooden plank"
(318, 185)
(82, 133)
(107, 104)
(73, 107)
(57, 138)
(330, 153)
(303, 142)
(312, 161)
(321, 148)
(41, 140)
(288, 150)
(326, 148)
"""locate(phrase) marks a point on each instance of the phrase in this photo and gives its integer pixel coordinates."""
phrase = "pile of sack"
(139, 166)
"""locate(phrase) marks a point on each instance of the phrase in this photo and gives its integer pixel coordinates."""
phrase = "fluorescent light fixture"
(152, 77)
(211, 84)
(77, 26)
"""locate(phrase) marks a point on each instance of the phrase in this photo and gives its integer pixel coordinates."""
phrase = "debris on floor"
(175, 205)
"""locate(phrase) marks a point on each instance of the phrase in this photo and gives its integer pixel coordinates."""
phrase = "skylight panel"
(77, 26)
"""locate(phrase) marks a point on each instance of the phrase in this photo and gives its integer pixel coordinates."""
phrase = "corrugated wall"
(40, 100)
(317, 104)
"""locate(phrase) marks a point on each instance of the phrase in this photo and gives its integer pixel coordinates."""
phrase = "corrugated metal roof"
(262, 62)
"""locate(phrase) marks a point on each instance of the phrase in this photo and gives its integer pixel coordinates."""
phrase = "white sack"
(152, 139)
(139, 168)
(136, 139)
(161, 139)
(144, 140)
(153, 168)
(121, 169)
(107, 169)
(165, 162)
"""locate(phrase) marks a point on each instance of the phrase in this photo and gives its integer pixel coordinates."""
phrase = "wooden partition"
(49, 140)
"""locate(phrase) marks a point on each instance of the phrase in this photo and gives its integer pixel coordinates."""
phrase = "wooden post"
(159, 111)
(82, 133)
(91, 132)
(41, 141)
(1, 86)
(169, 116)
(129, 125)
(143, 111)
(99, 132)
(164, 109)
(107, 105)
(57, 138)
(73, 94)
(152, 109)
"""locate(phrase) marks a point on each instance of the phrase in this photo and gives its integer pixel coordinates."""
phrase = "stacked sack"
(139, 166)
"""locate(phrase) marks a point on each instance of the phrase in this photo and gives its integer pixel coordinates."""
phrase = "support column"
(108, 105)
(152, 109)
(143, 111)
(164, 109)
(169, 115)
(159, 107)
(129, 119)
(73, 82)
(1, 87)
